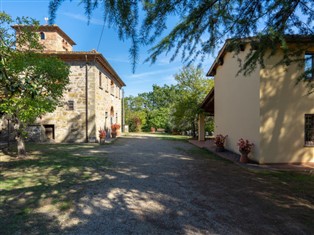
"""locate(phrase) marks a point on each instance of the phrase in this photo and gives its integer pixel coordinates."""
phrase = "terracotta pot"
(244, 159)
(244, 156)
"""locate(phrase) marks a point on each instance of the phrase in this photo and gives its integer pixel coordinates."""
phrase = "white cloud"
(83, 18)
(154, 73)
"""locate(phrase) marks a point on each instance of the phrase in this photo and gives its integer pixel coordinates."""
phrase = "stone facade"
(53, 41)
(69, 119)
(88, 71)
(50, 36)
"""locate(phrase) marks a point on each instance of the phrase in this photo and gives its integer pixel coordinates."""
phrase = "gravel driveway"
(157, 186)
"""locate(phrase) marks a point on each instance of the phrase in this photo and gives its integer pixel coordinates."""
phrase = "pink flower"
(245, 145)
(220, 140)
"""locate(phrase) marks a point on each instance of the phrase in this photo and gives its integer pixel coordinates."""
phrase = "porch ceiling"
(208, 104)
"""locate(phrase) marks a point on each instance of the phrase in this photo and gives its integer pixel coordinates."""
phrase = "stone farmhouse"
(93, 97)
(265, 107)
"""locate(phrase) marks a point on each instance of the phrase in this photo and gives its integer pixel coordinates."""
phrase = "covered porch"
(208, 107)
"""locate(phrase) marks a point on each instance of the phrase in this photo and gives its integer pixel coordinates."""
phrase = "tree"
(204, 24)
(31, 82)
(170, 107)
(151, 109)
(135, 115)
(193, 88)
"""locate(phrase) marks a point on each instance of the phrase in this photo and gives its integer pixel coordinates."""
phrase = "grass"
(301, 182)
(46, 180)
(165, 136)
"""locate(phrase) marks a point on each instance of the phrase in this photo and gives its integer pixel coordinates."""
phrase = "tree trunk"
(193, 130)
(21, 152)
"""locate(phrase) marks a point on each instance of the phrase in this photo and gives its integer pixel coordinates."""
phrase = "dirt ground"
(160, 186)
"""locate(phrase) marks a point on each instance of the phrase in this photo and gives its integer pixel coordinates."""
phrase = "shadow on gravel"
(159, 186)
(170, 187)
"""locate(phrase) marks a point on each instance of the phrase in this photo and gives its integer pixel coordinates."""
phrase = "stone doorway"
(50, 131)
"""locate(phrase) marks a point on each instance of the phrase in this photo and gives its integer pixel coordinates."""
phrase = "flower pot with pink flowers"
(115, 128)
(220, 142)
(245, 147)
(102, 136)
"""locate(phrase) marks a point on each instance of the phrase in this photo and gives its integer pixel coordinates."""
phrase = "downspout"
(123, 112)
(86, 100)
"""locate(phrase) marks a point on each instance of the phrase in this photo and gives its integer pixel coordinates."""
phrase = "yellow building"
(266, 107)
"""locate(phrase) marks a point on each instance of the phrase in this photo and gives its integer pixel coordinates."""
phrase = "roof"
(219, 59)
(47, 28)
(87, 56)
(208, 104)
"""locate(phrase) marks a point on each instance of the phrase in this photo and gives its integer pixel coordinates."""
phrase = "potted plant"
(245, 148)
(102, 135)
(220, 142)
(114, 129)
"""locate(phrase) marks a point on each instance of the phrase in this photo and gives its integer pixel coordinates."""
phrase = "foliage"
(245, 145)
(220, 140)
(150, 109)
(209, 125)
(202, 25)
(31, 83)
(135, 123)
(173, 108)
(192, 88)
(135, 116)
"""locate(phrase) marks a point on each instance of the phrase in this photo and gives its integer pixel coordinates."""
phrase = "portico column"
(201, 127)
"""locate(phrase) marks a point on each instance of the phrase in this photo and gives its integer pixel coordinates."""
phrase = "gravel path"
(159, 186)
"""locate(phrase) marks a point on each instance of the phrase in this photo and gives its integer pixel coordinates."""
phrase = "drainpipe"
(86, 100)
(123, 111)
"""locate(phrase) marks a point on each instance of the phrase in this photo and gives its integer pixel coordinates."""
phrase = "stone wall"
(54, 42)
(36, 133)
(106, 99)
(69, 125)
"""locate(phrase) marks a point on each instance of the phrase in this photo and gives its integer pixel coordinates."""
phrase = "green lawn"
(165, 136)
(46, 180)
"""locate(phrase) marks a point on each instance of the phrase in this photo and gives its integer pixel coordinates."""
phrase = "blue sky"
(72, 20)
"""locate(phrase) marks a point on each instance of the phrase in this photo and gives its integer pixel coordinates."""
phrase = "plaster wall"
(283, 105)
(237, 104)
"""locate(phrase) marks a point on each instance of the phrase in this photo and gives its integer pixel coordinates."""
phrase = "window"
(100, 80)
(309, 130)
(70, 105)
(42, 36)
(309, 63)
